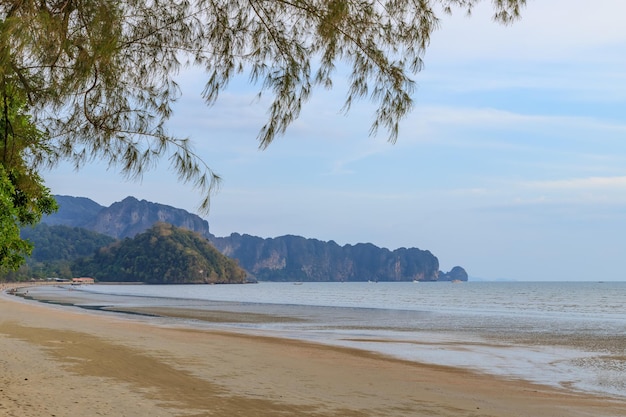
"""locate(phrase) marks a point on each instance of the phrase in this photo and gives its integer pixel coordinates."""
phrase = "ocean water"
(565, 334)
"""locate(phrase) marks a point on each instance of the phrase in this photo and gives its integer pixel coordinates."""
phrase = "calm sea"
(564, 334)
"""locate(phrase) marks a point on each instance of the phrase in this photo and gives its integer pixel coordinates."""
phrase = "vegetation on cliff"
(164, 254)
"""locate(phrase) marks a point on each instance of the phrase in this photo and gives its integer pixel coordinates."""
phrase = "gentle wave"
(563, 334)
(584, 299)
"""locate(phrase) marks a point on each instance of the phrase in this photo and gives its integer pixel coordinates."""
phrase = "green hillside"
(55, 248)
(164, 254)
(63, 243)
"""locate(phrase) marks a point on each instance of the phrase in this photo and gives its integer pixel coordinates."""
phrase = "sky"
(512, 164)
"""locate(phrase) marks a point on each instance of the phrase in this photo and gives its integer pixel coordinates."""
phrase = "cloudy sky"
(512, 165)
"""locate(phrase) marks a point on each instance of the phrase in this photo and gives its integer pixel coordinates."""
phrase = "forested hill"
(63, 243)
(55, 248)
(164, 254)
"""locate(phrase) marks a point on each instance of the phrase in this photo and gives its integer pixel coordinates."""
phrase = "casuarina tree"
(98, 76)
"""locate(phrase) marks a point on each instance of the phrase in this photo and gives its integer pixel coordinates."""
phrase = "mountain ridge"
(283, 258)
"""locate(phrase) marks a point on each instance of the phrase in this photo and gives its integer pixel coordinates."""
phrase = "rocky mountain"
(163, 254)
(289, 258)
(122, 219)
(455, 274)
(73, 212)
(284, 258)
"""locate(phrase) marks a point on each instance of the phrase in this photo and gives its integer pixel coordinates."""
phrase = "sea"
(570, 335)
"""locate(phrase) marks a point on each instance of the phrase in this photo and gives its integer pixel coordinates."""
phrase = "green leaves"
(12, 248)
(98, 75)
(22, 202)
(23, 196)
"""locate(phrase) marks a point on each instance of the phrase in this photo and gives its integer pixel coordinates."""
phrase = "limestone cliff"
(122, 219)
(285, 258)
(294, 258)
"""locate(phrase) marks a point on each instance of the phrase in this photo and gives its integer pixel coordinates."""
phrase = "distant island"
(84, 238)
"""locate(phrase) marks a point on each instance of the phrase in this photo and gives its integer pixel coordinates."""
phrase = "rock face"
(130, 216)
(456, 274)
(285, 258)
(294, 258)
(73, 212)
(125, 218)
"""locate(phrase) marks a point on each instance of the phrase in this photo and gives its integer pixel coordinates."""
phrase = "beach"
(56, 361)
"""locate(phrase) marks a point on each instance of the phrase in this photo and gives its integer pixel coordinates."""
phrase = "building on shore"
(82, 280)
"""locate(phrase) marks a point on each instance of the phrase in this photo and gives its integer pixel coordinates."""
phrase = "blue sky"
(512, 165)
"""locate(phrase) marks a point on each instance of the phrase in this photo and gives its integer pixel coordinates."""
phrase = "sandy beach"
(60, 362)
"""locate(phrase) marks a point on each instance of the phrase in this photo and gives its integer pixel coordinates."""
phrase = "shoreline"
(79, 363)
(588, 362)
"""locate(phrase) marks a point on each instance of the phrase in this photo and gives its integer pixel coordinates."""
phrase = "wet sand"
(61, 362)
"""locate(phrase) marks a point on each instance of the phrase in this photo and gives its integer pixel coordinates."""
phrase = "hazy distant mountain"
(455, 274)
(125, 218)
(73, 211)
(284, 258)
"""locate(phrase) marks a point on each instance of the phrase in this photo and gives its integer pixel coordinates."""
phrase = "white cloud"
(591, 183)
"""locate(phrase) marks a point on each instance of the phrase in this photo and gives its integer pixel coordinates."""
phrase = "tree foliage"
(100, 74)
(12, 247)
(23, 196)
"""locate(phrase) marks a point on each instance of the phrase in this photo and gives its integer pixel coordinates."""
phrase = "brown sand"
(59, 362)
